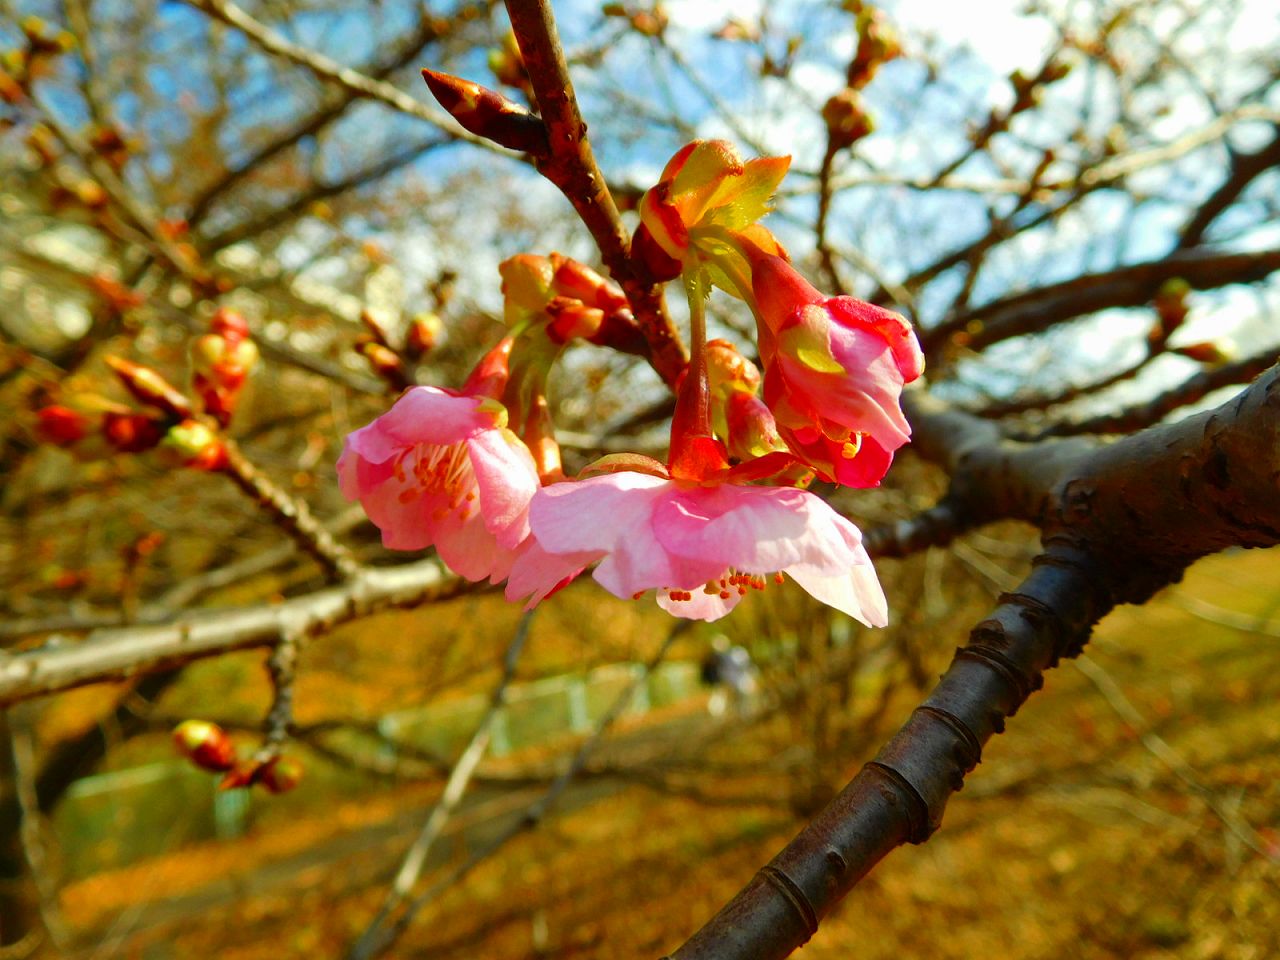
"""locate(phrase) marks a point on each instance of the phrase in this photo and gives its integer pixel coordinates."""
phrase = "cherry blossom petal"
(537, 574)
(748, 528)
(422, 415)
(507, 479)
(700, 605)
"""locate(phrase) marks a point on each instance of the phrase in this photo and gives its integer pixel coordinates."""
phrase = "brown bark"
(1119, 521)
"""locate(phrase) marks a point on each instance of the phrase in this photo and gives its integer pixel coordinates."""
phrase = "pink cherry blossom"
(834, 372)
(441, 469)
(702, 546)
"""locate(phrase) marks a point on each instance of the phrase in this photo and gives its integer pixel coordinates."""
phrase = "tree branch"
(331, 71)
(1127, 286)
(1119, 521)
(113, 654)
(571, 166)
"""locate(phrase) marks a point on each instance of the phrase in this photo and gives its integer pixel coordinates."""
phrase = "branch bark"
(1119, 522)
(571, 166)
(1127, 286)
(114, 654)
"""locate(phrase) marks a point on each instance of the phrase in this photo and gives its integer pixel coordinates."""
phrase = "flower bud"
(1171, 306)
(220, 363)
(1206, 352)
(489, 114)
(205, 744)
(526, 285)
(751, 431)
(846, 121)
(229, 324)
(281, 774)
(194, 445)
(571, 318)
(425, 331)
(877, 44)
(508, 65)
(149, 387)
(131, 432)
(385, 361)
(61, 426)
(575, 279)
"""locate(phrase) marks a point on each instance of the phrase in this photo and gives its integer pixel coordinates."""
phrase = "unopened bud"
(846, 121)
(229, 323)
(571, 318)
(385, 361)
(61, 426)
(508, 65)
(149, 387)
(877, 44)
(194, 445)
(1205, 352)
(91, 194)
(751, 429)
(118, 296)
(646, 251)
(131, 432)
(205, 744)
(425, 331)
(1171, 304)
(526, 285)
(577, 280)
(107, 142)
(10, 89)
(281, 774)
(489, 114)
(650, 23)
(728, 370)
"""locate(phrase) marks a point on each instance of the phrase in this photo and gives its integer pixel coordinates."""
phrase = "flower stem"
(695, 453)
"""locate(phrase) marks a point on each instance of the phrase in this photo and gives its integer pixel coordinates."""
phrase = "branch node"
(792, 893)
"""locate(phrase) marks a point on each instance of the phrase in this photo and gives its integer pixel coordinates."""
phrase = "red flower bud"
(192, 444)
(229, 324)
(131, 432)
(571, 318)
(489, 114)
(1204, 352)
(281, 774)
(61, 426)
(205, 744)
(847, 121)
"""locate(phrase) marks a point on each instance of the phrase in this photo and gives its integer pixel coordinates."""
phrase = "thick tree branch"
(1119, 522)
(899, 797)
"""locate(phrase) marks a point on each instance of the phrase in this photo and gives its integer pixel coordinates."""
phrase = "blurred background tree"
(1074, 203)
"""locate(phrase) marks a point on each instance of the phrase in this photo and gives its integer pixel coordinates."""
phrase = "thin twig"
(534, 814)
(454, 789)
(30, 829)
(1171, 758)
(331, 71)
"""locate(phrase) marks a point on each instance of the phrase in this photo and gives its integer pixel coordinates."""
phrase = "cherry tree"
(883, 250)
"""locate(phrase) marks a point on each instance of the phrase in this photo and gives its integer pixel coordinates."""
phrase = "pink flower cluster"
(443, 469)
